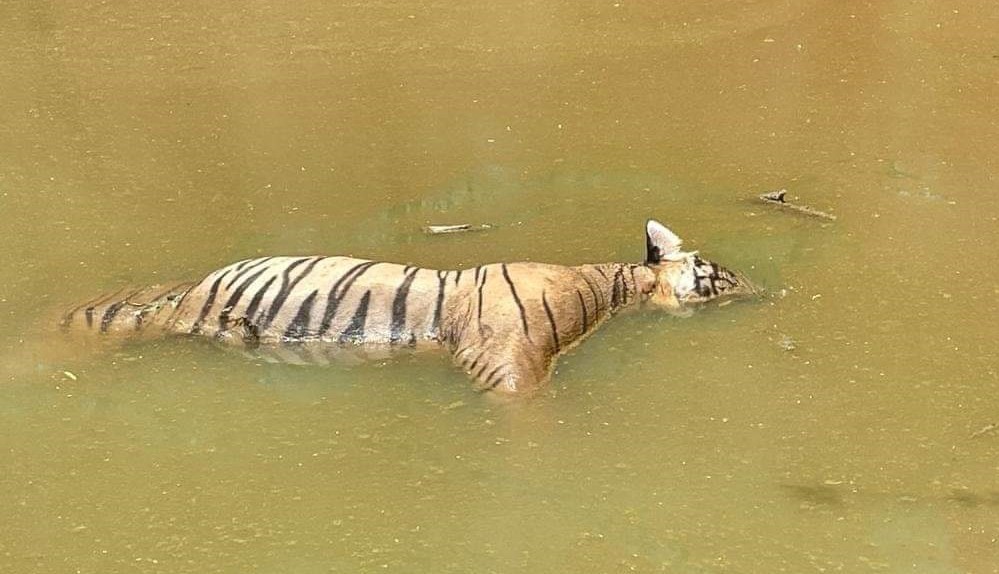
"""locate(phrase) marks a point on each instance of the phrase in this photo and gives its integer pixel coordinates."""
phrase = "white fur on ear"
(661, 243)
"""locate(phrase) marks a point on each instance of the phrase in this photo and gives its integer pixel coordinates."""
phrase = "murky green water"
(141, 142)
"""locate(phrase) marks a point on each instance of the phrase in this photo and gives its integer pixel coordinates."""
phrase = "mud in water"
(835, 426)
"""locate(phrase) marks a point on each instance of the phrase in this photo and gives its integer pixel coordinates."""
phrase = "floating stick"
(442, 229)
(777, 198)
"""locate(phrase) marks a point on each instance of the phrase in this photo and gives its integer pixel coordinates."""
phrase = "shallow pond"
(845, 423)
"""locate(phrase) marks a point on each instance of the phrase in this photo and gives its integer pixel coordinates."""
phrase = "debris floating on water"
(69, 375)
(787, 343)
(987, 429)
(778, 198)
(443, 229)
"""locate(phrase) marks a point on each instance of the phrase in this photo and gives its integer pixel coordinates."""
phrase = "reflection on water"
(144, 144)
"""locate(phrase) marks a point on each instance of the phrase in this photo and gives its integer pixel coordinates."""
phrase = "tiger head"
(682, 278)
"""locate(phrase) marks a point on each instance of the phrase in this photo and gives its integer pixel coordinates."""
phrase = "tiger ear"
(661, 243)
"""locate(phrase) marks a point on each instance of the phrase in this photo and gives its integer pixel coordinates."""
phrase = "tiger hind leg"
(505, 369)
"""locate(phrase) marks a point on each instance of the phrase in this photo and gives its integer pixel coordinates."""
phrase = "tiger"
(504, 324)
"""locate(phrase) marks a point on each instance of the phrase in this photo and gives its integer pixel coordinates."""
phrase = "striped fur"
(503, 323)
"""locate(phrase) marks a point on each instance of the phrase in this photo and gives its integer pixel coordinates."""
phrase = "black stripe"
(458, 353)
(89, 312)
(113, 309)
(354, 333)
(287, 286)
(481, 370)
(714, 277)
(601, 272)
(490, 383)
(241, 272)
(483, 284)
(551, 321)
(598, 295)
(616, 291)
(474, 362)
(251, 309)
(68, 317)
(109, 315)
(197, 286)
(209, 302)
(299, 327)
(699, 278)
(242, 263)
(624, 286)
(619, 276)
(698, 288)
(233, 300)
(457, 277)
(516, 299)
(399, 306)
(339, 291)
(477, 274)
(582, 306)
(435, 323)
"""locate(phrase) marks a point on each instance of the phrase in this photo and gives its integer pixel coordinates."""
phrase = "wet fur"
(504, 324)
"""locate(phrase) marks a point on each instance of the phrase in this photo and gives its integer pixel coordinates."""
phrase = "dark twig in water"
(777, 198)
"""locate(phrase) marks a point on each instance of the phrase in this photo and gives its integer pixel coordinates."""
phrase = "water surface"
(144, 143)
